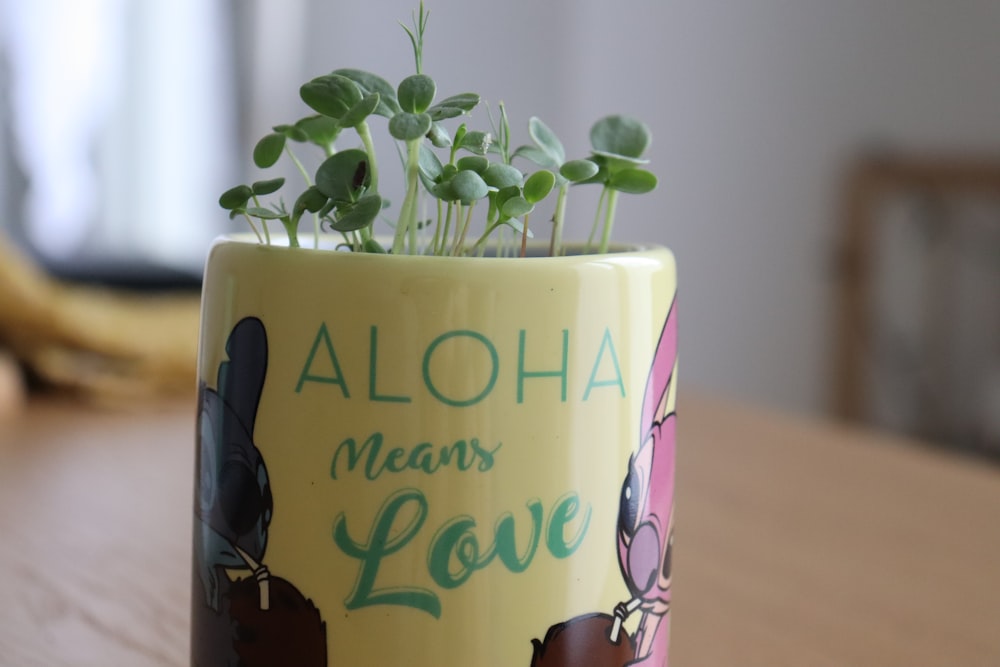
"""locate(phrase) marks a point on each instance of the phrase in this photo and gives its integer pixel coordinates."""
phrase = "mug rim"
(618, 249)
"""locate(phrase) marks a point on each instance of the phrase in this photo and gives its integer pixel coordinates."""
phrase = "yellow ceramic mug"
(434, 461)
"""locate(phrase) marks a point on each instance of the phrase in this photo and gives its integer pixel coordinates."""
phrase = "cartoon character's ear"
(241, 379)
(661, 372)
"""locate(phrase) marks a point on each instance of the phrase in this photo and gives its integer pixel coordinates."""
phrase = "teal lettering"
(562, 514)
(354, 454)
(486, 456)
(562, 373)
(422, 458)
(455, 538)
(373, 394)
(617, 381)
(322, 336)
(507, 543)
(494, 371)
(394, 462)
(377, 458)
(371, 448)
(458, 451)
(455, 552)
(383, 541)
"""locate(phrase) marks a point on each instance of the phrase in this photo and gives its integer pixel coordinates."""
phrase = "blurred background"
(829, 171)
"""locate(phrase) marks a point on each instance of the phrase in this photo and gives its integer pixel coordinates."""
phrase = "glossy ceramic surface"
(434, 461)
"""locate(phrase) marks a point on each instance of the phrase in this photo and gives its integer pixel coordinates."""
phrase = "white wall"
(755, 106)
(117, 119)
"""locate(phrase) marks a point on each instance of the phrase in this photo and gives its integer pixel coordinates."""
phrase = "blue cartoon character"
(256, 619)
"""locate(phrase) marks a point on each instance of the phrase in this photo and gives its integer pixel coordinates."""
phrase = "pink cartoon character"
(646, 511)
(645, 543)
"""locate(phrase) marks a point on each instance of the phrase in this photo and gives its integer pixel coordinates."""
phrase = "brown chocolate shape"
(290, 633)
(583, 642)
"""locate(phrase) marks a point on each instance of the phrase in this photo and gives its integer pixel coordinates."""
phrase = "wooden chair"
(869, 183)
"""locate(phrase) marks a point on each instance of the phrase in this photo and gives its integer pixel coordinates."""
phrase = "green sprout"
(618, 143)
(460, 171)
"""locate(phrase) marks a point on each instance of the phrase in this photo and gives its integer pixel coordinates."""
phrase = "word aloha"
(323, 353)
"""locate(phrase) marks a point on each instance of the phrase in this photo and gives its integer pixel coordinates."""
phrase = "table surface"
(799, 543)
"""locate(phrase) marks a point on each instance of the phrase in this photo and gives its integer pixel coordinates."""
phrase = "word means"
(463, 454)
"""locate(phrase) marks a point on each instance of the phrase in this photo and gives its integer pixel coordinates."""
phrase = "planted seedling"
(618, 144)
(461, 172)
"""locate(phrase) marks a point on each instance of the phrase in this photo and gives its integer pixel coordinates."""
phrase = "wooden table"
(800, 544)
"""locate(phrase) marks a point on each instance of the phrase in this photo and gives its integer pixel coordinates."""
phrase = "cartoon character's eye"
(239, 496)
(266, 501)
(628, 507)
(267, 504)
(668, 557)
(206, 463)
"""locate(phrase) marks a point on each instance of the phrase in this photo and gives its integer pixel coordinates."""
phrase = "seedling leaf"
(577, 171)
(388, 106)
(613, 162)
(321, 130)
(633, 181)
(469, 186)
(620, 135)
(454, 106)
(343, 176)
(546, 139)
(502, 175)
(291, 132)
(515, 207)
(444, 191)
(504, 194)
(235, 197)
(415, 93)
(311, 200)
(439, 136)
(409, 126)
(361, 213)
(539, 185)
(464, 101)
(263, 213)
(268, 150)
(474, 163)
(476, 142)
(430, 165)
(261, 188)
(331, 95)
(360, 111)
(537, 155)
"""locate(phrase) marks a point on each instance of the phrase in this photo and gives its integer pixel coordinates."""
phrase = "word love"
(322, 366)
(455, 552)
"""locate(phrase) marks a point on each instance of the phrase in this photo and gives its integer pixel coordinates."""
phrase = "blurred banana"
(109, 345)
